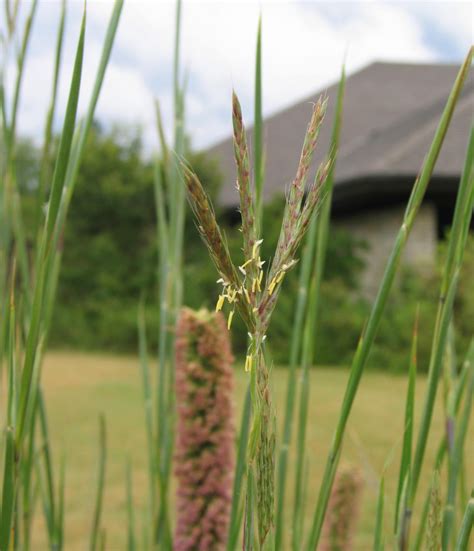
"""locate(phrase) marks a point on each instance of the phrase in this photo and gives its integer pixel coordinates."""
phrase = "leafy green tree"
(109, 253)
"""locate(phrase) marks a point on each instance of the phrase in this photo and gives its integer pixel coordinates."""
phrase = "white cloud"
(303, 47)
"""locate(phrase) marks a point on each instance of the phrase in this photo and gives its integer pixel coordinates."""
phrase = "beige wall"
(378, 228)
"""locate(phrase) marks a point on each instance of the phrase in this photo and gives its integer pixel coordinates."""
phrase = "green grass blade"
(300, 456)
(96, 521)
(176, 59)
(235, 514)
(306, 362)
(29, 489)
(99, 79)
(8, 493)
(9, 480)
(9, 179)
(20, 72)
(457, 454)
(130, 511)
(61, 505)
(148, 406)
(20, 242)
(462, 542)
(58, 181)
(461, 221)
(301, 305)
(362, 353)
(11, 352)
(258, 157)
(440, 456)
(44, 173)
(378, 533)
(405, 462)
(49, 496)
(248, 519)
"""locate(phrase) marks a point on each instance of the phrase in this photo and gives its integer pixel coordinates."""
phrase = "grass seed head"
(205, 433)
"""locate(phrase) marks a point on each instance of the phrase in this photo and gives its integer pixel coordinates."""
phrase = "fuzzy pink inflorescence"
(343, 510)
(205, 432)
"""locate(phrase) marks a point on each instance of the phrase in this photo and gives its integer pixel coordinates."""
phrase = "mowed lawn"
(79, 387)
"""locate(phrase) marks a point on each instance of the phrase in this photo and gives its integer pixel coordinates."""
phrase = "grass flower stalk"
(254, 296)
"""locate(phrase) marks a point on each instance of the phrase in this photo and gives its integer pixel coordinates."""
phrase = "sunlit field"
(79, 387)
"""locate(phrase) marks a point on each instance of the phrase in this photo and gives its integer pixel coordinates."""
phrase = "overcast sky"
(303, 48)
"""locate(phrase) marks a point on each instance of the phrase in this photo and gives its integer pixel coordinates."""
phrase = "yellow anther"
(229, 321)
(254, 284)
(255, 249)
(220, 303)
(256, 245)
(248, 362)
(247, 296)
(247, 262)
(272, 286)
(280, 276)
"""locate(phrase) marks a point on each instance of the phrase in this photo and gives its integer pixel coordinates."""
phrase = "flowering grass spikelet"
(253, 292)
(205, 437)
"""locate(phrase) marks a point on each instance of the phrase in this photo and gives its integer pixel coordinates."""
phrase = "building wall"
(378, 228)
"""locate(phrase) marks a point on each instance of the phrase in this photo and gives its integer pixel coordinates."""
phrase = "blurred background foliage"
(110, 259)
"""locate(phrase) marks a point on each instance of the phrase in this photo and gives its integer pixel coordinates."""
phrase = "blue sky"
(303, 47)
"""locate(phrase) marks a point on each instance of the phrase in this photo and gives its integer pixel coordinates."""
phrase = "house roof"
(391, 112)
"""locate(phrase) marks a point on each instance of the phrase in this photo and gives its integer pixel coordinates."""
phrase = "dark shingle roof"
(390, 115)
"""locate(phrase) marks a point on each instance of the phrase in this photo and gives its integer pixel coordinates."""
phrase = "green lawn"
(79, 386)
